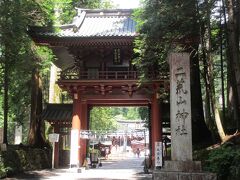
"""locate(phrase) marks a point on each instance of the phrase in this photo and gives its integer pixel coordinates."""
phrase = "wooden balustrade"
(105, 75)
(98, 75)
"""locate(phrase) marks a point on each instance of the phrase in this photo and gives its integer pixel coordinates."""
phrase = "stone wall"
(182, 170)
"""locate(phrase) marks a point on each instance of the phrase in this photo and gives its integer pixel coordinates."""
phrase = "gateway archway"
(94, 54)
(60, 117)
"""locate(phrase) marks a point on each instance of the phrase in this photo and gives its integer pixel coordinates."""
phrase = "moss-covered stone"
(23, 158)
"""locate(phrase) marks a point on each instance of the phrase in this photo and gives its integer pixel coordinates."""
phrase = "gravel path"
(113, 169)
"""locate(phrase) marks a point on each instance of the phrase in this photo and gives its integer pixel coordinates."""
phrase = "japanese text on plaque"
(181, 102)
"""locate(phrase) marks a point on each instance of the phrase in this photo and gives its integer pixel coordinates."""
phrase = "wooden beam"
(120, 102)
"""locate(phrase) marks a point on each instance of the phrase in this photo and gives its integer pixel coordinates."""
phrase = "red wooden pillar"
(76, 126)
(156, 125)
(56, 150)
(83, 142)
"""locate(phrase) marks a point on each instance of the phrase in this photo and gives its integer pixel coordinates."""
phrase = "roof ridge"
(106, 10)
(78, 21)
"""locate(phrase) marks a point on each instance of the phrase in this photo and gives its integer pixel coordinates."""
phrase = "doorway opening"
(119, 132)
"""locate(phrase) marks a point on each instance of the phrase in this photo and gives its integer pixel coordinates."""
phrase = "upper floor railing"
(75, 74)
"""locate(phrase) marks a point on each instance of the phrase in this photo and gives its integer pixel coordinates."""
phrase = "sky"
(126, 4)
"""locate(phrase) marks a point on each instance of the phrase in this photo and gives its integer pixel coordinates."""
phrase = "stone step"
(160, 175)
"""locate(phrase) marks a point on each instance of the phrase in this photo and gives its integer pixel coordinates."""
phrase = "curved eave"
(83, 41)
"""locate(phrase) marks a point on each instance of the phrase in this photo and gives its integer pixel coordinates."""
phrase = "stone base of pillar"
(182, 166)
(182, 170)
(77, 170)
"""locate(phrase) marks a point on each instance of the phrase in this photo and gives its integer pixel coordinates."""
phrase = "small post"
(54, 137)
(53, 154)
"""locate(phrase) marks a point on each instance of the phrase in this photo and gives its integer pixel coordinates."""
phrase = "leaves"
(101, 119)
(224, 161)
(105, 118)
(18, 58)
(162, 24)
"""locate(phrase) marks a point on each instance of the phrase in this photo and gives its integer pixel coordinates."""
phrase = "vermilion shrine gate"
(95, 55)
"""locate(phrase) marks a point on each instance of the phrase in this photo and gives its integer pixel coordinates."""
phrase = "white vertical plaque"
(158, 154)
(18, 134)
(180, 102)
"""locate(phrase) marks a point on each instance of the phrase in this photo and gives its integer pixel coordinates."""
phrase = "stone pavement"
(115, 168)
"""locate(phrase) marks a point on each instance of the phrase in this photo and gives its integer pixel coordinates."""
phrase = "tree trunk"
(200, 130)
(209, 73)
(214, 103)
(208, 112)
(207, 105)
(36, 133)
(233, 56)
(6, 87)
(222, 69)
(5, 52)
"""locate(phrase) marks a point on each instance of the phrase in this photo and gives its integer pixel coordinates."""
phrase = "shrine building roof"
(94, 23)
(58, 113)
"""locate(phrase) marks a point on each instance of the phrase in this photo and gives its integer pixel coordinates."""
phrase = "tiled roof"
(98, 23)
(58, 112)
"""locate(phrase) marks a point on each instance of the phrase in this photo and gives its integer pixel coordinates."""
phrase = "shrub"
(223, 160)
(23, 158)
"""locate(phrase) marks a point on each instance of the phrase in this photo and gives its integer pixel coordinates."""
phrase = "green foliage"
(101, 119)
(144, 115)
(223, 160)
(106, 4)
(18, 58)
(3, 171)
(95, 4)
(162, 24)
(63, 11)
(133, 113)
(105, 118)
(128, 113)
(1, 107)
(143, 112)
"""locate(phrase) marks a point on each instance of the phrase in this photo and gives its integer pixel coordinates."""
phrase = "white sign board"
(158, 154)
(54, 137)
(18, 134)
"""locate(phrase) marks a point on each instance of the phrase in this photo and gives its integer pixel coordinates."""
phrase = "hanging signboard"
(84, 134)
(54, 137)
(158, 154)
